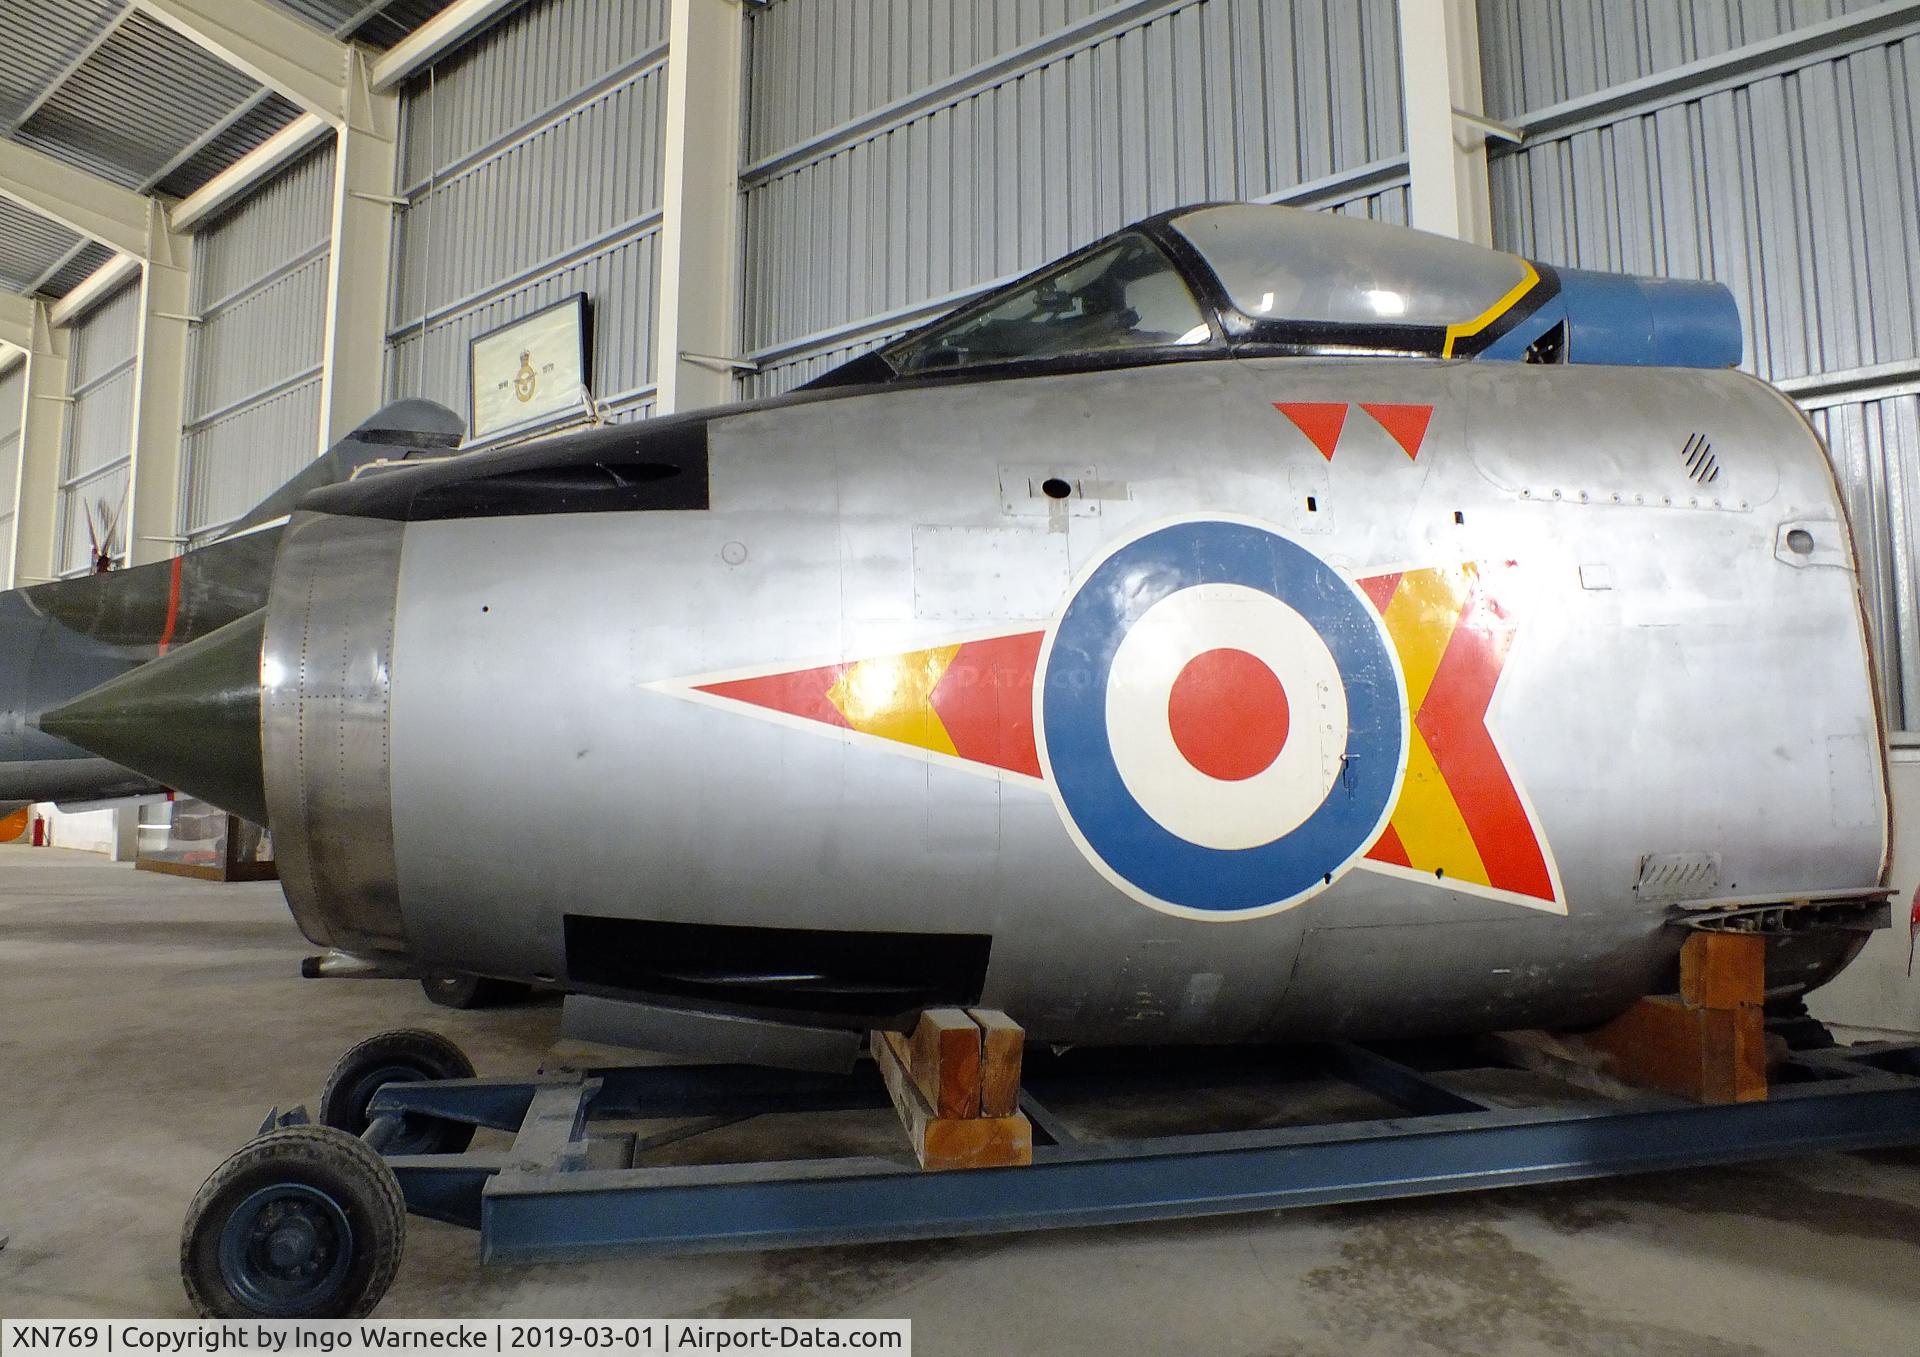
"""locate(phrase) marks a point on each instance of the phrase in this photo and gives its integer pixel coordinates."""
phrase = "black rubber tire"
(405, 1056)
(456, 989)
(301, 1168)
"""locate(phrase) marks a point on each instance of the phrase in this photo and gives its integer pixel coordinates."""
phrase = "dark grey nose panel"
(189, 720)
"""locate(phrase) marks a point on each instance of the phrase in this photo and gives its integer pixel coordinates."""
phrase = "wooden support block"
(1712, 1055)
(1723, 970)
(949, 1142)
(942, 1057)
(1002, 1042)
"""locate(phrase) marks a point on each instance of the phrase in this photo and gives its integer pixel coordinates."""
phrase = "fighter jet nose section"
(189, 719)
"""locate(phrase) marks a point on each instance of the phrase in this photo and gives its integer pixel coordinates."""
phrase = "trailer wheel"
(407, 1056)
(304, 1222)
(455, 989)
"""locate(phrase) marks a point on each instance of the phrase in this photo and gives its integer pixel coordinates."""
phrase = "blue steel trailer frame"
(542, 1199)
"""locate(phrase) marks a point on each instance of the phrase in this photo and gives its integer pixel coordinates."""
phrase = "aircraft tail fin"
(404, 430)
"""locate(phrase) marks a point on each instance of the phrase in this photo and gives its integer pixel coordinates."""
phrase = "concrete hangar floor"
(149, 1021)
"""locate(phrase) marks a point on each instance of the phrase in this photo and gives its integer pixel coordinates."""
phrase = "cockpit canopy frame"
(1228, 277)
(1252, 280)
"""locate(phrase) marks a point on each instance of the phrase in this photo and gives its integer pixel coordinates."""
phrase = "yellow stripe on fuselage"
(892, 697)
(1420, 618)
(1468, 328)
(1429, 822)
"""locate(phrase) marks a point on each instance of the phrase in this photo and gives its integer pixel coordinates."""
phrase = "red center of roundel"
(1228, 714)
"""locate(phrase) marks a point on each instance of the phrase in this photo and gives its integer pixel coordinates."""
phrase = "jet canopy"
(1123, 295)
(1246, 279)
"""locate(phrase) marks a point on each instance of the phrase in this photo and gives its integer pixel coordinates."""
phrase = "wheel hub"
(285, 1249)
(292, 1245)
(414, 1137)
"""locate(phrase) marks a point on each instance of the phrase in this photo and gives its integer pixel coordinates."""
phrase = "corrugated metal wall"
(253, 361)
(1792, 176)
(1537, 53)
(531, 168)
(1876, 446)
(13, 387)
(99, 443)
(901, 156)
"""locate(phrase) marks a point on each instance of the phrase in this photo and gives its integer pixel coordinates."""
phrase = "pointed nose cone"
(190, 719)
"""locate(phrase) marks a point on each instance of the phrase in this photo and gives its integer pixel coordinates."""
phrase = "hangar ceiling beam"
(115, 216)
(444, 31)
(432, 40)
(102, 282)
(268, 44)
(1445, 120)
(700, 207)
(251, 169)
(43, 427)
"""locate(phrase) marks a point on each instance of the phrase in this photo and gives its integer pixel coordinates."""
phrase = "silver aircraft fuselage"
(956, 674)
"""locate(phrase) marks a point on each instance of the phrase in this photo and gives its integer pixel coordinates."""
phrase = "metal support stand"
(553, 1195)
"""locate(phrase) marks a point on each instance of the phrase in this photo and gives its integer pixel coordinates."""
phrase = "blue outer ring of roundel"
(1073, 711)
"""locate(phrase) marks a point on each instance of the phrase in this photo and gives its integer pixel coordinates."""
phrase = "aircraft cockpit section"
(1124, 294)
(1314, 282)
(1247, 280)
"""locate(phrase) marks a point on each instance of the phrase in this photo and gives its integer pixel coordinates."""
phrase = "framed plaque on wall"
(530, 372)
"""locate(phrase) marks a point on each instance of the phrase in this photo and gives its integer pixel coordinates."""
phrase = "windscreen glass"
(1283, 263)
(1125, 296)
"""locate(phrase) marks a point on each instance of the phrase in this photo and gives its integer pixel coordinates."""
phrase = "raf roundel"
(1221, 718)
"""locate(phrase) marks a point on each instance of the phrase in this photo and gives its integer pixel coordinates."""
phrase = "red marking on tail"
(1320, 421)
(173, 607)
(1407, 424)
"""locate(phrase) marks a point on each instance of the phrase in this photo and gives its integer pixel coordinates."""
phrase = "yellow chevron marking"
(1467, 328)
(1428, 820)
(892, 697)
(1420, 618)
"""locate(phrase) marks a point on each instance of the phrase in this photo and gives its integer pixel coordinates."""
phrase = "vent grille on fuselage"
(1697, 455)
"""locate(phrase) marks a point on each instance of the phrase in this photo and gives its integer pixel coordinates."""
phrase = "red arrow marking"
(1320, 421)
(985, 700)
(801, 692)
(1380, 588)
(1407, 424)
(1388, 848)
(1453, 721)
